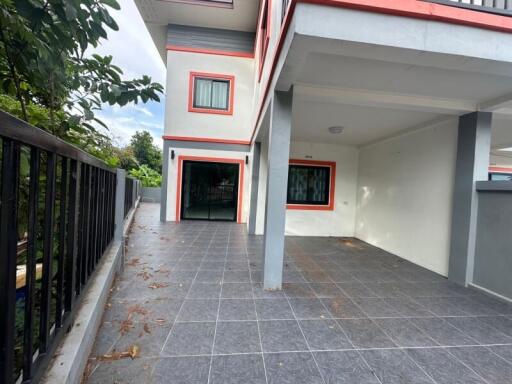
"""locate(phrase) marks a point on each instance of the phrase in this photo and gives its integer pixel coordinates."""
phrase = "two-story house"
(351, 118)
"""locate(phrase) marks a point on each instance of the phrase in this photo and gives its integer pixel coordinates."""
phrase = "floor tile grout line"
(218, 306)
(181, 306)
(256, 312)
(450, 324)
(306, 340)
(353, 346)
(318, 351)
(494, 353)
(464, 364)
(396, 343)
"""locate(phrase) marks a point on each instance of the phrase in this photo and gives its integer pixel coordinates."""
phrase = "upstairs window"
(264, 35)
(211, 93)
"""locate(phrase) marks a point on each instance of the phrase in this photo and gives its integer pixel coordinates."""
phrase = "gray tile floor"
(191, 298)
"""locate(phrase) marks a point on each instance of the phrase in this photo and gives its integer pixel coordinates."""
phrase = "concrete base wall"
(151, 194)
(71, 356)
(405, 195)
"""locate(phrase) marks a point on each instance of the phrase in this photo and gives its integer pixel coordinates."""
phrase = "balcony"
(499, 7)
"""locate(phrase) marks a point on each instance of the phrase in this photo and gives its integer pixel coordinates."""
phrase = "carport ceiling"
(362, 124)
(336, 71)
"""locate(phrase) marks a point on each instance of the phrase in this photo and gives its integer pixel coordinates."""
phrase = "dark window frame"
(309, 200)
(212, 80)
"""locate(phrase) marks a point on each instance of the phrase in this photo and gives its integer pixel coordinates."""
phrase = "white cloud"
(131, 46)
(121, 129)
(134, 52)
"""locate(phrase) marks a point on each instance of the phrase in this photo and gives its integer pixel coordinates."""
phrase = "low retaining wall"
(71, 356)
(151, 194)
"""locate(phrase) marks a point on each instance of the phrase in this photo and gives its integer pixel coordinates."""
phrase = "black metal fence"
(132, 192)
(502, 7)
(57, 218)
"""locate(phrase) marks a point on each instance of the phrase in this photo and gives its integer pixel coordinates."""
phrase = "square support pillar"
(473, 152)
(277, 183)
(256, 153)
(119, 207)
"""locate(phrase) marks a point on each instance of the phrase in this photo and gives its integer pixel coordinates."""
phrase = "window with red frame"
(264, 34)
(210, 93)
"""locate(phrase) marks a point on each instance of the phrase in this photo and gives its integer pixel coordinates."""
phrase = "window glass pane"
(318, 185)
(203, 93)
(501, 177)
(220, 95)
(297, 184)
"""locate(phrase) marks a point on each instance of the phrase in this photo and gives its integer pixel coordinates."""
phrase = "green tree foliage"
(44, 68)
(145, 151)
(148, 176)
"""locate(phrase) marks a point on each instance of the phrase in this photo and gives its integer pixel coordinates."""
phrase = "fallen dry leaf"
(350, 243)
(136, 309)
(132, 352)
(145, 275)
(133, 262)
(125, 327)
(146, 328)
(158, 285)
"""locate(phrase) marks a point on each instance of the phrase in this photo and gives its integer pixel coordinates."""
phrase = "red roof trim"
(206, 140)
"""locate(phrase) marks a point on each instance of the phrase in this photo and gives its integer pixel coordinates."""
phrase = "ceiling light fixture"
(336, 130)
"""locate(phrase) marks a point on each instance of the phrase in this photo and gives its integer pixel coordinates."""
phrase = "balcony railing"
(501, 7)
(57, 219)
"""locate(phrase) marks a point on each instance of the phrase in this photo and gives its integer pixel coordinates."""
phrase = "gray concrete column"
(277, 182)
(165, 176)
(119, 213)
(473, 152)
(256, 153)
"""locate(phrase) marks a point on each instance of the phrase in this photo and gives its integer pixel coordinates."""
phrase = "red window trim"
(179, 181)
(213, 76)
(263, 41)
(206, 140)
(332, 185)
(500, 169)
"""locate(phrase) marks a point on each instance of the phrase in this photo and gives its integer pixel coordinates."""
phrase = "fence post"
(8, 247)
(119, 221)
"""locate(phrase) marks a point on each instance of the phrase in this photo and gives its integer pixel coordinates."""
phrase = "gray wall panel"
(493, 253)
(210, 38)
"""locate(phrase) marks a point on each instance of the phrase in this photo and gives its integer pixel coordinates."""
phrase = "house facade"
(344, 118)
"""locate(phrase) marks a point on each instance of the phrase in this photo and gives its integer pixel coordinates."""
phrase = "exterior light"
(336, 130)
(246, 159)
(172, 154)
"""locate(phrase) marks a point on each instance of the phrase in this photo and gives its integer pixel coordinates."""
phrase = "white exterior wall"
(405, 194)
(172, 183)
(180, 122)
(338, 222)
(501, 161)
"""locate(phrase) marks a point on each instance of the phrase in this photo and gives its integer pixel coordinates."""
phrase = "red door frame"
(179, 180)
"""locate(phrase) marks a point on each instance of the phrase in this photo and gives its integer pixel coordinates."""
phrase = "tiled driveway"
(191, 299)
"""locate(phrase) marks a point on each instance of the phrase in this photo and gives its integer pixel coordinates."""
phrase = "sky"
(134, 52)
